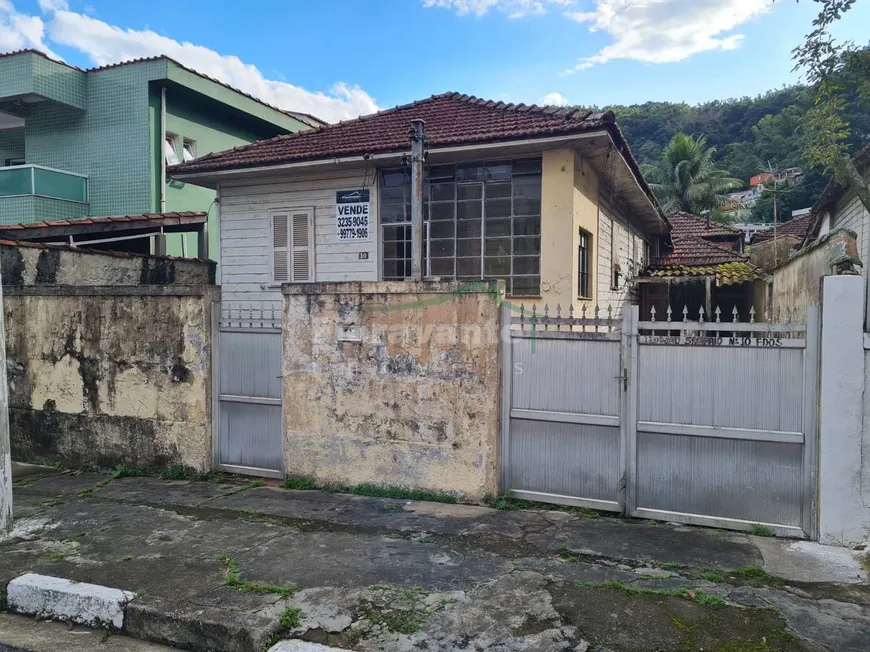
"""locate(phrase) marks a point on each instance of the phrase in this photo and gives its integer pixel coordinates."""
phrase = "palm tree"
(687, 179)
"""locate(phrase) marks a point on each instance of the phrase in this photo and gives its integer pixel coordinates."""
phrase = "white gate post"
(844, 518)
(5, 446)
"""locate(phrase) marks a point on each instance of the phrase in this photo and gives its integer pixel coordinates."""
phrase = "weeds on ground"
(236, 490)
(505, 503)
(696, 595)
(752, 573)
(181, 472)
(298, 482)
(383, 491)
(234, 580)
(760, 530)
(128, 471)
(290, 618)
(716, 578)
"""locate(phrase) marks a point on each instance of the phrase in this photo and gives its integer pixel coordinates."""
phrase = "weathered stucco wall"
(415, 403)
(796, 284)
(118, 371)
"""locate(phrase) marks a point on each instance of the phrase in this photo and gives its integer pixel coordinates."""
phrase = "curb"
(60, 599)
(303, 646)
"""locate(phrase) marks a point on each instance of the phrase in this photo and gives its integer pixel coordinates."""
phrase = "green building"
(77, 143)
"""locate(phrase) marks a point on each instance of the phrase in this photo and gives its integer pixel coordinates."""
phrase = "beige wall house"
(549, 200)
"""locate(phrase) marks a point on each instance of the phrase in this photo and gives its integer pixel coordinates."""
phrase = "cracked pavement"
(398, 575)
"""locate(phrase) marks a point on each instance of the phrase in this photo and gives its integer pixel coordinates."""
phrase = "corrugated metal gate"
(248, 423)
(700, 422)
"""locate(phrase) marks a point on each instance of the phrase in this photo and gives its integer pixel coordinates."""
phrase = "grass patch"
(128, 471)
(127, 558)
(506, 503)
(752, 573)
(237, 490)
(256, 483)
(234, 580)
(716, 578)
(760, 530)
(76, 536)
(696, 595)
(290, 618)
(298, 482)
(53, 556)
(401, 622)
(392, 507)
(383, 491)
(181, 472)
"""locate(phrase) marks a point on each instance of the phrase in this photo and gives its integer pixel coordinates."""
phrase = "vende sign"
(352, 215)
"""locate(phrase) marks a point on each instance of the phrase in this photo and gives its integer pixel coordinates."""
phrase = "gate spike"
(652, 313)
(685, 313)
(610, 311)
(670, 312)
(571, 311)
(597, 310)
(558, 316)
(752, 314)
(583, 311)
(767, 315)
(701, 315)
(522, 314)
(718, 312)
(734, 312)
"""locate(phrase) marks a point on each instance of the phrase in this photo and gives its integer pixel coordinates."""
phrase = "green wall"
(213, 129)
(11, 144)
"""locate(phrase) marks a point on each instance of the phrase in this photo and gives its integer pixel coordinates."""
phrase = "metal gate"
(248, 380)
(699, 422)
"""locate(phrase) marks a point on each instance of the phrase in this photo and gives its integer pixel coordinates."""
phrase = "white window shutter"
(280, 248)
(301, 247)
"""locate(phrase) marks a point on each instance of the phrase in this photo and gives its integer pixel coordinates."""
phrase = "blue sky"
(339, 58)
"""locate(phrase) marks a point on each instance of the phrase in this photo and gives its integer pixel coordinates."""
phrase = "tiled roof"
(688, 225)
(799, 228)
(725, 273)
(151, 217)
(451, 119)
(97, 252)
(694, 251)
(305, 118)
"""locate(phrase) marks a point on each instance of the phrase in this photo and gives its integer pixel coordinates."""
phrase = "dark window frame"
(584, 264)
(512, 235)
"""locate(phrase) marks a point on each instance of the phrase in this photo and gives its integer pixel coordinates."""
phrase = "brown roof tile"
(799, 228)
(451, 119)
(688, 225)
(693, 251)
(155, 217)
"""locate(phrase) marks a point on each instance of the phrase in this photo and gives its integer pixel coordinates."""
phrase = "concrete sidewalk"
(235, 567)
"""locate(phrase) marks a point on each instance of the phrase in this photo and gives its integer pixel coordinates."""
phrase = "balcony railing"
(38, 180)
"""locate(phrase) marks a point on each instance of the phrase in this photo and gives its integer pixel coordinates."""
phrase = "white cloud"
(104, 44)
(664, 31)
(513, 8)
(553, 99)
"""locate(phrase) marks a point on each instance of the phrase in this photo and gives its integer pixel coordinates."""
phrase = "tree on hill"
(687, 179)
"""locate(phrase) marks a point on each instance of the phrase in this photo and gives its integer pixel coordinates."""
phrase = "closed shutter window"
(292, 246)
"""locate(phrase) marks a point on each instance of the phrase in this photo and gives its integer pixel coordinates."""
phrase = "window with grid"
(584, 246)
(482, 221)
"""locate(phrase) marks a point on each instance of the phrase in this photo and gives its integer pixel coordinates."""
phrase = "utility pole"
(5, 447)
(418, 141)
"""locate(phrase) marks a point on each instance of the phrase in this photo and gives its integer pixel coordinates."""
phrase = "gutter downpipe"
(162, 157)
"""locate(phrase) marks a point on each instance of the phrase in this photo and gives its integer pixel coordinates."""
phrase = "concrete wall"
(766, 254)
(844, 436)
(108, 357)
(796, 283)
(415, 403)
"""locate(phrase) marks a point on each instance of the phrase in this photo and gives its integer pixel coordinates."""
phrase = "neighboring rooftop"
(304, 118)
(685, 224)
(799, 227)
(692, 251)
(116, 225)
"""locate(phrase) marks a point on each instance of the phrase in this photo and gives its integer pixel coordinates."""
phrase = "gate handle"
(624, 378)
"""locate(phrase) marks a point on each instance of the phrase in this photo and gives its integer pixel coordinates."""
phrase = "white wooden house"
(550, 200)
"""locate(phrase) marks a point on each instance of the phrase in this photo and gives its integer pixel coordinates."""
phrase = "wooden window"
(292, 246)
(584, 265)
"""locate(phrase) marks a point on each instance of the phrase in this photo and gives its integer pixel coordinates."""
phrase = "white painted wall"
(844, 418)
(245, 236)
(618, 241)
